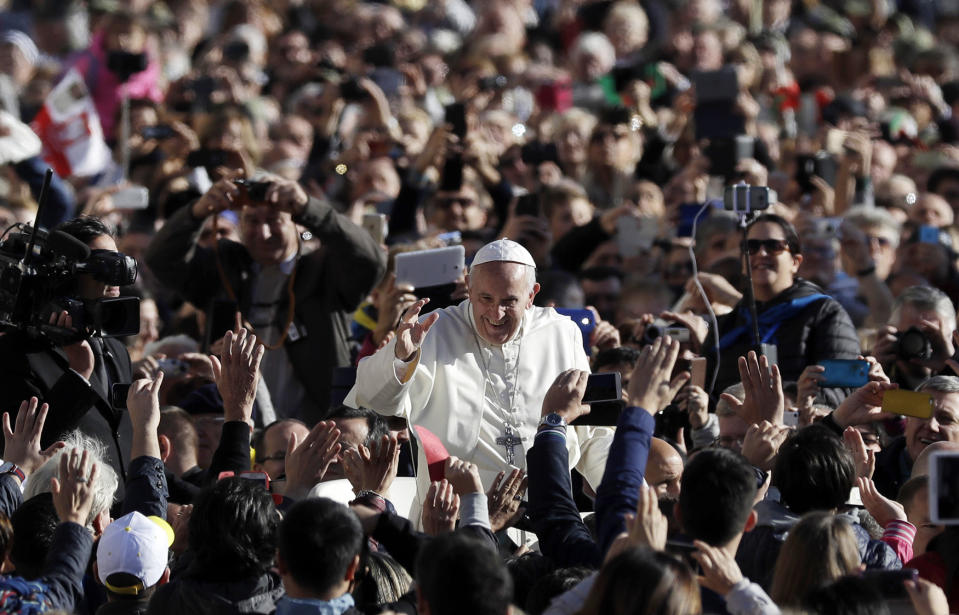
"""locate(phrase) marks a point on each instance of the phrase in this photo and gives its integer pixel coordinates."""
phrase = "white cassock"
(484, 407)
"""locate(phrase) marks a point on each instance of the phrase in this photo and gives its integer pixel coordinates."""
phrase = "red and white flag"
(69, 128)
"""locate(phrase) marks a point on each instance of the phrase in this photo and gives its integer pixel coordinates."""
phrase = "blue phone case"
(849, 373)
(584, 320)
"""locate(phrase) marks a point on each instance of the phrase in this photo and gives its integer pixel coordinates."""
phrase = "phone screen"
(604, 386)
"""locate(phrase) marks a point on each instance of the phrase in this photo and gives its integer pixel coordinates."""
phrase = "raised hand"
(762, 442)
(73, 490)
(763, 388)
(649, 385)
(374, 468)
(143, 404)
(410, 334)
(307, 462)
(864, 405)
(864, 458)
(927, 598)
(463, 476)
(720, 571)
(695, 401)
(237, 373)
(504, 499)
(565, 395)
(440, 508)
(21, 445)
(882, 509)
(648, 527)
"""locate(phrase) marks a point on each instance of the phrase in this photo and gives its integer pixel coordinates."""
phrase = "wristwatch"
(553, 420)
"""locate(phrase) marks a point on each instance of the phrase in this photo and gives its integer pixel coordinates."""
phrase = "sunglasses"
(772, 246)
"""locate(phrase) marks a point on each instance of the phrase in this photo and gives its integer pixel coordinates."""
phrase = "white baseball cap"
(503, 250)
(135, 545)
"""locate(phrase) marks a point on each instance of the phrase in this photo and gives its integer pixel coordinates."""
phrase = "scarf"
(769, 320)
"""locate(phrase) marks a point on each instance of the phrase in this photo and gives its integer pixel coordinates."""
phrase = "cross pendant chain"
(509, 441)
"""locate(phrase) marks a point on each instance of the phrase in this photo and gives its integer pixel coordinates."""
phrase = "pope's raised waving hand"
(410, 334)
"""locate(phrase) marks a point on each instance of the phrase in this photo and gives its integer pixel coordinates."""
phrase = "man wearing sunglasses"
(805, 325)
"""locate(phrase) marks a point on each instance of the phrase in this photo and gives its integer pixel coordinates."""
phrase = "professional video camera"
(37, 269)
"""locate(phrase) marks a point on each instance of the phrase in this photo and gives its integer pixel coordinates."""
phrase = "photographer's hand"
(221, 196)
(286, 195)
(79, 354)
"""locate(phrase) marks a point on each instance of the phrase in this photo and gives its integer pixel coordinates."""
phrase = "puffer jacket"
(759, 548)
(819, 330)
(190, 595)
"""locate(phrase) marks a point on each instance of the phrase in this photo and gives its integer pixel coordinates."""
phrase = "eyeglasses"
(883, 242)
(772, 246)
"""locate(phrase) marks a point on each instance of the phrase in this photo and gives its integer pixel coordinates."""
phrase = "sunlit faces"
(500, 293)
(773, 269)
(944, 424)
(269, 235)
(276, 441)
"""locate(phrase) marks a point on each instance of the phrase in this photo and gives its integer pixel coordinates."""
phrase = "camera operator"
(299, 304)
(75, 379)
(918, 339)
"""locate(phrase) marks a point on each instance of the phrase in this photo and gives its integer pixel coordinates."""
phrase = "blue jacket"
(562, 535)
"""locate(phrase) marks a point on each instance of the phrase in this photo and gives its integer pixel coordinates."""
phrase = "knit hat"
(134, 545)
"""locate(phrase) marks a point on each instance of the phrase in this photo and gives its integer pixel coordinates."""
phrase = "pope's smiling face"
(500, 293)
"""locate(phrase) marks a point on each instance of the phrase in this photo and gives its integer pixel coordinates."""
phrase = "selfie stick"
(746, 215)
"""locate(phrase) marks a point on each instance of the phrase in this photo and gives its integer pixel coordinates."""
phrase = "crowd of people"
(220, 395)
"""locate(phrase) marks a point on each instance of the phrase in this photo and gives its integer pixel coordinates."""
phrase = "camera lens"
(913, 344)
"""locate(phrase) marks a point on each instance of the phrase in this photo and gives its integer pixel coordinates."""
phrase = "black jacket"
(190, 595)
(330, 284)
(820, 330)
(32, 367)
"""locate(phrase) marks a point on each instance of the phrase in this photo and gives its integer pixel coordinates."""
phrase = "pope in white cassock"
(475, 374)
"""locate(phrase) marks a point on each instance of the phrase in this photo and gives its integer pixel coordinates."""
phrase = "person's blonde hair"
(818, 550)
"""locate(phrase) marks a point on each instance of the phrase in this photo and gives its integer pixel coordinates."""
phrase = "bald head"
(921, 466)
(664, 469)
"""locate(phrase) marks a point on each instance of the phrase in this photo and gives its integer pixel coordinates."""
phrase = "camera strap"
(291, 295)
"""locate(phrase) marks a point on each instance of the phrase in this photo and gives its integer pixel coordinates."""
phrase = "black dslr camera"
(38, 271)
(913, 344)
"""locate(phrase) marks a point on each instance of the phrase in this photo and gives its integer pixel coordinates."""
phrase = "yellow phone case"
(909, 403)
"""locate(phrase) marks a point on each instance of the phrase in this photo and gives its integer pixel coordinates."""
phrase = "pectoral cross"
(509, 441)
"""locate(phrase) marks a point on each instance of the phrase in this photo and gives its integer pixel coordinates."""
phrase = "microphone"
(68, 245)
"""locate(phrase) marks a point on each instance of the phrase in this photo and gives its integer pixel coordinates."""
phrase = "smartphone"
(791, 418)
(456, 118)
(131, 197)
(746, 198)
(259, 477)
(159, 131)
(944, 488)
(849, 373)
(430, 267)
(220, 319)
(909, 403)
(684, 550)
(528, 205)
(376, 226)
(697, 371)
(451, 179)
(586, 322)
(604, 386)
(605, 413)
(928, 234)
(635, 236)
(118, 395)
(125, 64)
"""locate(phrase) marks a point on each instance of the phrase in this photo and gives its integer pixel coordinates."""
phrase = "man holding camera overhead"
(298, 303)
(77, 377)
